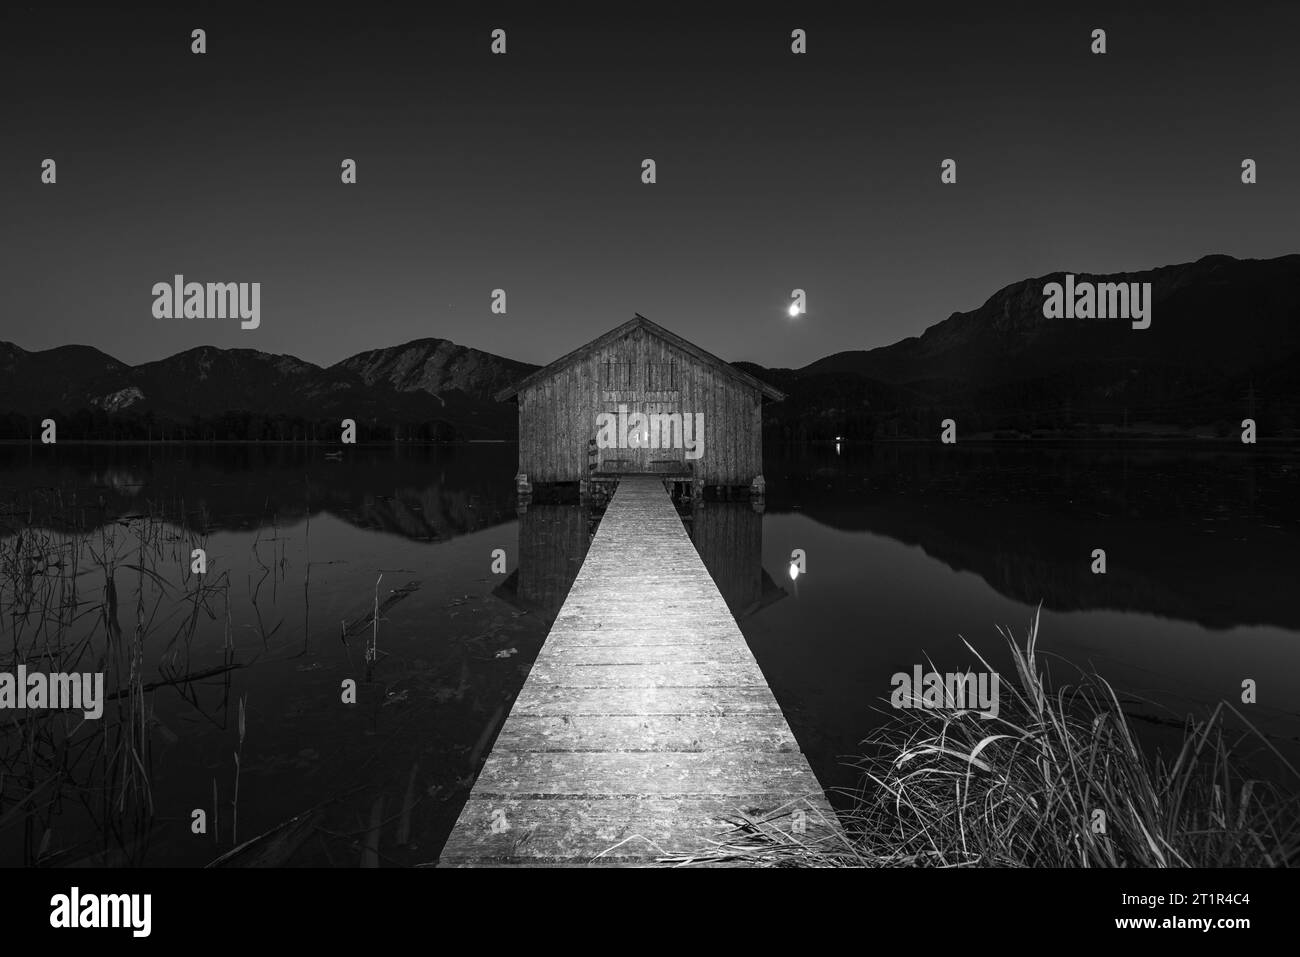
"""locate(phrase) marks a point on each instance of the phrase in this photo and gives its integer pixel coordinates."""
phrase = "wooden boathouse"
(638, 400)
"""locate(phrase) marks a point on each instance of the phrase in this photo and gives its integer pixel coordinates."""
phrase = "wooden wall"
(557, 415)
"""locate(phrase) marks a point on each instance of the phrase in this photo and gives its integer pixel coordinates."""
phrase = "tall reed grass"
(72, 577)
(1057, 779)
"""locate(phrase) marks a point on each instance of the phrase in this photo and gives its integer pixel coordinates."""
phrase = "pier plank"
(645, 727)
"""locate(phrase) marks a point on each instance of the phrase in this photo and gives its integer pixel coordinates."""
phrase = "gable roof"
(641, 322)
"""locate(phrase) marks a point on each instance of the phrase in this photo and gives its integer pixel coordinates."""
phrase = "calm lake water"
(908, 550)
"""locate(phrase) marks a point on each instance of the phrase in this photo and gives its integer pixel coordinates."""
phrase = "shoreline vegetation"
(1057, 779)
(939, 787)
(75, 596)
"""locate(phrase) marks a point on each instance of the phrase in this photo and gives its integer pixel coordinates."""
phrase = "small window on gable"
(661, 377)
(618, 375)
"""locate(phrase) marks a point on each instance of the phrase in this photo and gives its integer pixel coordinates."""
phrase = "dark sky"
(523, 171)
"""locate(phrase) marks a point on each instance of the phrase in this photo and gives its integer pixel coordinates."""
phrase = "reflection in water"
(418, 493)
(907, 549)
(1208, 537)
(553, 541)
(912, 550)
(1205, 537)
(729, 538)
(95, 571)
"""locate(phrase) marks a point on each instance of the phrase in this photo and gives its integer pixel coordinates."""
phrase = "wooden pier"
(645, 726)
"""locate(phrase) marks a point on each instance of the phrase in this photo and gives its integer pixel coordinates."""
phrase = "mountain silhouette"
(427, 389)
(436, 366)
(1223, 345)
